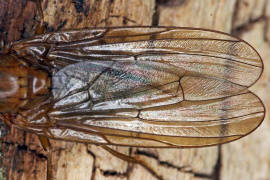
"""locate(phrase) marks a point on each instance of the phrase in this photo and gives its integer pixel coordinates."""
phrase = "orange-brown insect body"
(20, 85)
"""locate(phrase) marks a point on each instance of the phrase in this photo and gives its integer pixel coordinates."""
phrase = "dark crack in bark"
(183, 169)
(25, 148)
(78, 5)
(114, 173)
(171, 3)
(17, 164)
(94, 163)
(267, 25)
(218, 166)
(239, 30)
(61, 24)
(110, 173)
(155, 17)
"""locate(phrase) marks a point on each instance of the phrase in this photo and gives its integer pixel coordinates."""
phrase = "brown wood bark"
(248, 158)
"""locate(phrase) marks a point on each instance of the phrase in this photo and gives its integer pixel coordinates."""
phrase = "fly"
(132, 86)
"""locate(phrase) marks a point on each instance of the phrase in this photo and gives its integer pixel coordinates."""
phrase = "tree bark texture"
(24, 159)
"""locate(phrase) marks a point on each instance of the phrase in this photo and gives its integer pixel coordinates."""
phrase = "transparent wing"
(150, 87)
(202, 52)
(149, 104)
(183, 124)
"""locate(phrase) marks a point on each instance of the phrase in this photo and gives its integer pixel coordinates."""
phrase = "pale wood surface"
(247, 158)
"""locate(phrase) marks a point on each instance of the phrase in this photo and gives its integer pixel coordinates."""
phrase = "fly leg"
(131, 160)
(47, 147)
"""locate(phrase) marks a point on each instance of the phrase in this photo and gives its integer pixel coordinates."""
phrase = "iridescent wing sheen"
(150, 87)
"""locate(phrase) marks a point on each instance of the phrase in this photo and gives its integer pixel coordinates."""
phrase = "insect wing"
(152, 87)
(197, 51)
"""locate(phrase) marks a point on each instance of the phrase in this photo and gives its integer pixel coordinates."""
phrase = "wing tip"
(260, 63)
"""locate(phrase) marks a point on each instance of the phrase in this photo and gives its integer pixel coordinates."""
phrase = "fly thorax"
(20, 85)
